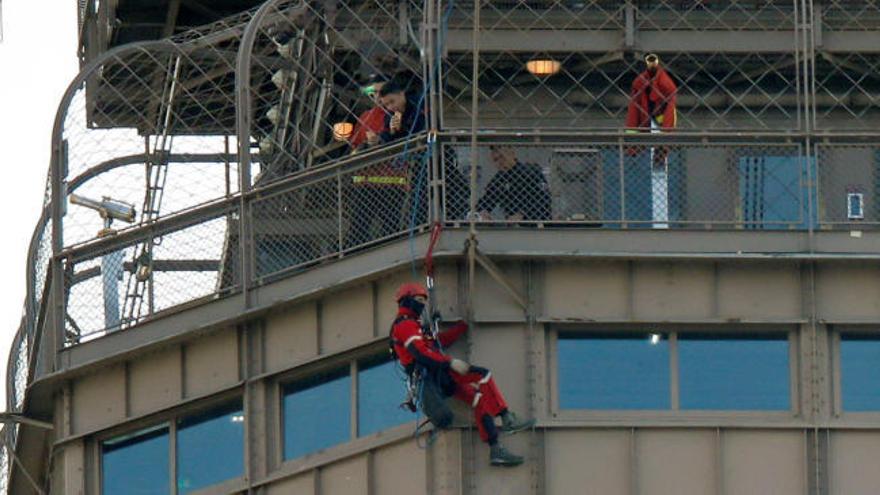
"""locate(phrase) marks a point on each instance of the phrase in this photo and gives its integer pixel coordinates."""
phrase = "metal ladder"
(139, 286)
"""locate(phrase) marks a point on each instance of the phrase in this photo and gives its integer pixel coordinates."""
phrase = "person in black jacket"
(519, 189)
(404, 113)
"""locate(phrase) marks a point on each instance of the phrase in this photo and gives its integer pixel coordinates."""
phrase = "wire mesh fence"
(653, 184)
(848, 185)
(119, 287)
(315, 76)
(303, 100)
(152, 126)
(342, 210)
(158, 125)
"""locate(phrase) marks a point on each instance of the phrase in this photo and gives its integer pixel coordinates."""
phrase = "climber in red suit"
(470, 384)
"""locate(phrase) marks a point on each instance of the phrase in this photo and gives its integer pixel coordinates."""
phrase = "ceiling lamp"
(266, 146)
(543, 67)
(342, 131)
(274, 114)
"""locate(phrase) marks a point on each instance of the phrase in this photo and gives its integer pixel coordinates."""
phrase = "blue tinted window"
(619, 372)
(210, 448)
(859, 359)
(317, 414)
(136, 464)
(380, 391)
(742, 373)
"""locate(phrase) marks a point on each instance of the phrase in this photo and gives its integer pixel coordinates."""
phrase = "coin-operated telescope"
(111, 263)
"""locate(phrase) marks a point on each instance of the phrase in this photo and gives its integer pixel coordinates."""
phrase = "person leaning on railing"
(379, 191)
(519, 189)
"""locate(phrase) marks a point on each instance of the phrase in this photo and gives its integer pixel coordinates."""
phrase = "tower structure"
(687, 308)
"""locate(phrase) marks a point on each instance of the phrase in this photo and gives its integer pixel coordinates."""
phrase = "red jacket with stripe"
(412, 345)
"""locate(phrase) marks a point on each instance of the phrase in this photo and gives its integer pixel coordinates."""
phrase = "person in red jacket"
(652, 99)
(378, 191)
(473, 385)
(371, 123)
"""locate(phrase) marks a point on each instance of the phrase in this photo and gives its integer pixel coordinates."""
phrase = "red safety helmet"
(411, 289)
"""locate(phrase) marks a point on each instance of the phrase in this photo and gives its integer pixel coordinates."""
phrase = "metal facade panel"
(346, 318)
(386, 307)
(291, 336)
(852, 465)
(753, 292)
(154, 381)
(682, 462)
(586, 290)
(400, 468)
(73, 469)
(303, 484)
(664, 291)
(763, 461)
(848, 291)
(588, 462)
(445, 463)
(349, 477)
(501, 348)
(492, 301)
(211, 363)
(99, 399)
(490, 480)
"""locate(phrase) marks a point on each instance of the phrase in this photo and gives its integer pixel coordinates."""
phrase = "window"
(679, 371)
(210, 448)
(380, 391)
(136, 464)
(317, 413)
(734, 373)
(334, 407)
(613, 372)
(860, 389)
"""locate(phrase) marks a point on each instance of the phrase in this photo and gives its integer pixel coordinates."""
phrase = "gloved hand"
(459, 366)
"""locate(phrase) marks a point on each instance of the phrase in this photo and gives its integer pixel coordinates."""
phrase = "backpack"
(431, 388)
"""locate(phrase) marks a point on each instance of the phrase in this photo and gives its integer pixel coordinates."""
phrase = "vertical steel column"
(475, 155)
(243, 121)
(432, 57)
(57, 172)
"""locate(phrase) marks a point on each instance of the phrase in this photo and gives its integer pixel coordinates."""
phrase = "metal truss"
(230, 141)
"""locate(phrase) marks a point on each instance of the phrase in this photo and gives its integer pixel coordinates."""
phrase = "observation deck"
(225, 138)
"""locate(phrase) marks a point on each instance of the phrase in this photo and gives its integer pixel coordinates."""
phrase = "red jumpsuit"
(477, 388)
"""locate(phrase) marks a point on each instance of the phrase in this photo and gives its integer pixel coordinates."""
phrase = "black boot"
(510, 423)
(499, 456)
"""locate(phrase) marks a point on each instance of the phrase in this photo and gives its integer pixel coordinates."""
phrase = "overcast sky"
(37, 61)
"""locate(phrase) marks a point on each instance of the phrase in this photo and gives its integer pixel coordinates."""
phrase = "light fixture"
(267, 145)
(274, 114)
(342, 131)
(286, 50)
(543, 67)
(237, 418)
(655, 338)
(279, 77)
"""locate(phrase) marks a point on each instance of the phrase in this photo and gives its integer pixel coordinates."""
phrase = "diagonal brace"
(498, 276)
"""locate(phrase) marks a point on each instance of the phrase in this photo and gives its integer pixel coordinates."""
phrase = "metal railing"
(231, 141)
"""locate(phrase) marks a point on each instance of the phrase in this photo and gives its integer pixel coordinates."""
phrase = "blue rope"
(416, 198)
